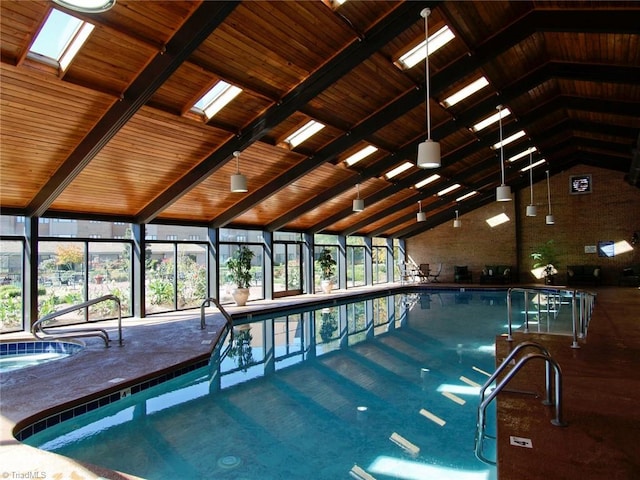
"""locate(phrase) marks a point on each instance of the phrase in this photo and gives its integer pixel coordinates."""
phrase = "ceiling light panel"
(465, 92)
(417, 53)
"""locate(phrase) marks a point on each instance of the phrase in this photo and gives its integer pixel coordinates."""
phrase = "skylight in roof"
(497, 220)
(215, 99)
(533, 165)
(307, 130)
(398, 170)
(524, 153)
(61, 37)
(509, 139)
(465, 92)
(417, 53)
(359, 155)
(427, 180)
(504, 112)
(466, 195)
(449, 189)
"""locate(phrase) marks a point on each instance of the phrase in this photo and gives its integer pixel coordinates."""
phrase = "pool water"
(384, 387)
(17, 355)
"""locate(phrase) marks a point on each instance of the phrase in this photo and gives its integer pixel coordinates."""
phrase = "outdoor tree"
(67, 255)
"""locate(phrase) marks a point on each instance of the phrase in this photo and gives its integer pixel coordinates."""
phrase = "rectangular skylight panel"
(466, 195)
(524, 153)
(418, 53)
(61, 37)
(303, 133)
(491, 120)
(398, 170)
(215, 99)
(510, 139)
(449, 189)
(359, 155)
(427, 181)
(465, 92)
(534, 165)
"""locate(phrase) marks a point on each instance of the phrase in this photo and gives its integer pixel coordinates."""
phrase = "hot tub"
(15, 355)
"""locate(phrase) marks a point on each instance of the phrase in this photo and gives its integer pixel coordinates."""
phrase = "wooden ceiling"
(113, 137)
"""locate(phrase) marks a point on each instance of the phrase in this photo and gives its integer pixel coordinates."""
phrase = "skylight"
(449, 189)
(307, 130)
(398, 170)
(216, 98)
(510, 139)
(465, 92)
(491, 120)
(466, 195)
(418, 53)
(359, 155)
(61, 37)
(427, 180)
(524, 153)
(534, 165)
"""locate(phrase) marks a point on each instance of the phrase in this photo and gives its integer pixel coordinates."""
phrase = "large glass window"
(11, 285)
(317, 277)
(160, 292)
(355, 262)
(379, 260)
(256, 289)
(109, 273)
(287, 268)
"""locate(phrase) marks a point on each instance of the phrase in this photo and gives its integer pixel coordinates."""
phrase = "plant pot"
(240, 295)
(327, 286)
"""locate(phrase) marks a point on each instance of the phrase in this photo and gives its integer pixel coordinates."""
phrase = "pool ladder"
(229, 325)
(39, 327)
(550, 363)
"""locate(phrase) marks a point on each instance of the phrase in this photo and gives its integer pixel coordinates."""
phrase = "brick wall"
(610, 213)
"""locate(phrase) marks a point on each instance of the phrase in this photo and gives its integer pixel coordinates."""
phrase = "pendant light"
(549, 220)
(238, 181)
(428, 151)
(531, 208)
(457, 223)
(358, 203)
(503, 192)
(421, 216)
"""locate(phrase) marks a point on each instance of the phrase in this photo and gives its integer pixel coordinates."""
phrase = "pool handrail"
(39, 327)
(229, 325)
(481, 419)
(580, 316)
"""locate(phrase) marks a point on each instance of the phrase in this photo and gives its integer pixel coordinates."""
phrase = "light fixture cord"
(419, 206)
(548, 192)
(426, 69)
(531, 174)
(358, 188)
(237, 155)
(501, 144)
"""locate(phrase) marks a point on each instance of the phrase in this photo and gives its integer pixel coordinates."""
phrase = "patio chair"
(423, 272)
(433, 277)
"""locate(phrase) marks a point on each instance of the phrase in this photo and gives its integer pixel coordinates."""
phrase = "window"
(465, 92)
(60, 39)
(215, 99)
(418, 53)
(360, 154)
(303, 133)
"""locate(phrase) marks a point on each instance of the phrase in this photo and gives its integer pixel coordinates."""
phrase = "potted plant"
(545, 262)
(241, 349)
(239, 265)
(327, 270)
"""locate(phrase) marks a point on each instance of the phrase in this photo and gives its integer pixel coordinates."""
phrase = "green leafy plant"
(239, 266)
(241, 349)
(545, 254)
(327, 264)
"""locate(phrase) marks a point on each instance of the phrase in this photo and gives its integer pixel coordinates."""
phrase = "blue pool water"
(16, 355)
(386, 386)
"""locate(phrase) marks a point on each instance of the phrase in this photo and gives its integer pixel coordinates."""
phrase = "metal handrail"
(557, 421)
(229, 325)
(39, 326)
(580, 313)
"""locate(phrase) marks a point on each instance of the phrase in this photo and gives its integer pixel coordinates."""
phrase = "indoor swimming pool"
(383, 387)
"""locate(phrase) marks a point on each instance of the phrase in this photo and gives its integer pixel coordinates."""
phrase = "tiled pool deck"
(601, 391)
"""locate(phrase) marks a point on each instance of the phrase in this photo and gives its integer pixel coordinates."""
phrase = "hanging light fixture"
(531, 208)
(428, 151)
(457, 223)
(503, 192)
(238, 181)
(549, 220)
(358, 203)
(421, 216)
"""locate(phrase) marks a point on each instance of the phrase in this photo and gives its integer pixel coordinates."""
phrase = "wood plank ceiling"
(113, 137)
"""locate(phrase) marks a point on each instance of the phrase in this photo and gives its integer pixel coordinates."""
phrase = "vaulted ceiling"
(113, 136)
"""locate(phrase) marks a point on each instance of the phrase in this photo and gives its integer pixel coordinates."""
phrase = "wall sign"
(579, 184)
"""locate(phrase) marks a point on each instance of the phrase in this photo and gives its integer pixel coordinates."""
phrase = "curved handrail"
(557, 421)
(39, 326)
(206, 302)
(581, 315)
